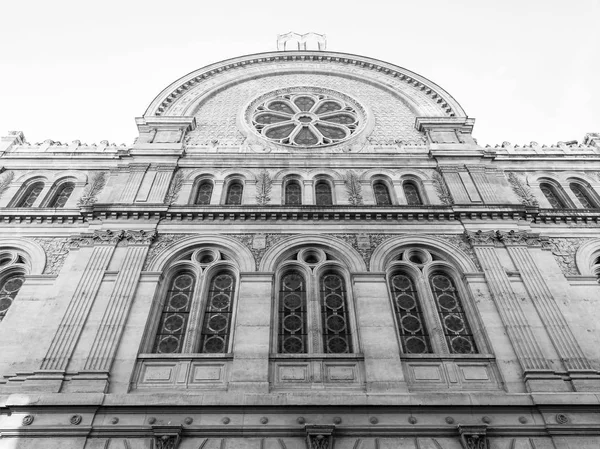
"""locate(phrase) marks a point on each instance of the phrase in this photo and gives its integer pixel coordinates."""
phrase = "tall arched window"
(216, 327)
(382, 194)
(413, 330)
(323, 194)
(334, 313)
(175, 314)
(292, 314)
(9, 287)
(204, 193)
(411, 192)
(234, 193)
(552, 195)
(63, 192)
(452, 316)
(293, 194)
(582, 195)
(31, 194)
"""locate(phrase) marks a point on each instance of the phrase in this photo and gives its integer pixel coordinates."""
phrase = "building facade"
(301, 250)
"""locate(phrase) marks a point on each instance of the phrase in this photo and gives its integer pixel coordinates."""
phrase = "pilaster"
(481, 180)
(133, 183)
(454, 181)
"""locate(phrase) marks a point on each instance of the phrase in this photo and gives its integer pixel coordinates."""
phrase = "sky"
(526, 70)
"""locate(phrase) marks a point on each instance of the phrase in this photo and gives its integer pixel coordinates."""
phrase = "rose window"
(305, 120)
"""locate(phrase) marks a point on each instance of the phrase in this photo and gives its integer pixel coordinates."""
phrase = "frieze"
(519, 238)
(106, 237)
(57, 250)
(564, 250)
(481, 238)
(140, 237)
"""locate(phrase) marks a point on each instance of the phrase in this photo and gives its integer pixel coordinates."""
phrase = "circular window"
(305, 119)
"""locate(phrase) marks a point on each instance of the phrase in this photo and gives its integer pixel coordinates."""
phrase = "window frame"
(328, 182)
(227, 186)
(558, 191)
(286, 183)
(198, 182)
(25, 190)
(55, 190)
(390, 189)
(12, 268)
(587, 191)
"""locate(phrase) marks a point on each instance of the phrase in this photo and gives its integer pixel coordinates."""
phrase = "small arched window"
(292, 314)
(234, 193)
(323, 194)
(452, 316)
(31, 194)
(551, 194)
(9, 287)
(596, 268)
(293, 194)
(204, 193)
(63, 192)
(411, 192)
(334, 314)
(582, 195)
(175, 314)
(216, 328)
(413, 331)
(382, 194)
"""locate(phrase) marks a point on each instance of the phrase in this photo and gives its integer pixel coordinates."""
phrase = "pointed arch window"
(31, 194)
(552, 196)
(582, 195)
(411, 192)
(413, 329)
(323, 194)
(62, 195)
(175, 315)
(292, 314)
(336, 331)
(382, 194)
(204, 193)
(216, 328)
(293, 193)
(234, 193)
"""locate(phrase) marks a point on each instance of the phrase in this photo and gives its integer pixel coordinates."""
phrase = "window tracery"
(293, 193)
(582, 195)
(13, 268)
(217, 315)
(552, 195)
(62, 195)
(30, 194)
(411, 192)
(234, 193)
(382, 194)
(204, 193)
(323, 195)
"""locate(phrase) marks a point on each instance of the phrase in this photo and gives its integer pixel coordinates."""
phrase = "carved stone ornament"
(319, 436)
(473, 437)
(263, 188)
(107, 237)
(564, 250)
(522, 190)
(481, 238)
(353, 188)
(92, 189)
(166, 437)
(139, 237)
(5, 180)
(519, 238)
(442, 189)
(27, 420)
(174, 188)
(76, 420)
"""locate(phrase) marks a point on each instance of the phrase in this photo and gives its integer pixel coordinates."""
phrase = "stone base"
(384, 387)
(86, 382)
(249, 387)
(545, 381)
(38, 381)
(585, 381)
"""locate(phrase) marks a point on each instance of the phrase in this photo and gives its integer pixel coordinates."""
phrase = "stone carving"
(27, 420)
(5, 180)
(258, 251)
(564, 250)
(56, 250)
(519, 238)
(319, 436)
(95, 185)
(140, 237)
(107, 237)
(159, 244)
(353, 188)
(166, 441)
(461, 242)
(76, 420)
(521, 190)
(174, 188)
(441, 188)
(561, 418)
(263, 188)
(481, 238)
(473, 437)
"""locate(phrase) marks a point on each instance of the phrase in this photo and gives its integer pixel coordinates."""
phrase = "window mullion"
(436, 330)
(315, 341)
(192, 336)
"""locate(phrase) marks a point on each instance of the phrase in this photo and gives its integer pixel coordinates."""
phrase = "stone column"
(379, 340)
(518, 244)
(133, 183)
(251, 344)
(104, 347)
(538, 374)
(480, 178)
(71, 326)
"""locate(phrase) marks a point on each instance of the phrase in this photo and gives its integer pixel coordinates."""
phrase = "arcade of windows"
(558, 198)
(28, 195)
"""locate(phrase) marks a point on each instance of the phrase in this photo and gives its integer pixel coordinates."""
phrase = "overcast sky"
(525, 70)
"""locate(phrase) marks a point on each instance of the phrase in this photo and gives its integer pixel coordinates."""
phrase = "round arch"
(584, 257)
(36, 254)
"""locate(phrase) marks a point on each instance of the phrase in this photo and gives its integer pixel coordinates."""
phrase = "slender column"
(111, 328)
(455, 185)
(515, 322)
(545, 304)
(136, 175)
(68, 333)
(482, 182)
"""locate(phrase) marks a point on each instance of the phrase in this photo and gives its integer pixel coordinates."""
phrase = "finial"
(295, 41)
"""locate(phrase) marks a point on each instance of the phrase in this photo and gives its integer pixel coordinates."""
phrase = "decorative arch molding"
(383, 254)
(405, 174)
(51, 176)
(289, 173)
(538, 177)
(426, 97)
(238, 173)
(229, 246)
(344, 252)
(35, 253)
(198, 173)
(584, 257)
(38, 175)
(369, 175)
(324, 172)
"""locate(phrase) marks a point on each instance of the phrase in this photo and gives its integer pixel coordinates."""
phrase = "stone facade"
(301, 250)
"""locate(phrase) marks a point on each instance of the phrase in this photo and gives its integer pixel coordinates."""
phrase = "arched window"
(596, 268)
(454, 321)
(382, 194)
(234, 193)
(204, 193)
(323, 194)
(413, 330)
(31, 194)
(336, 329)
(216, 327)
(552, 195)
(411, 192)
(63, 192)
(292, 314)
(582, 195)
(175, 314)
(9, 287)
(293, 194)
